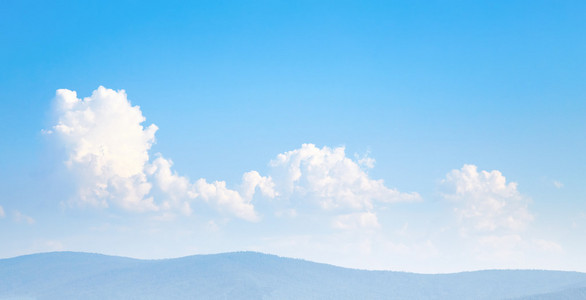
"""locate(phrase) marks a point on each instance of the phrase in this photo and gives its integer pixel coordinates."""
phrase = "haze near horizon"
(427, 137)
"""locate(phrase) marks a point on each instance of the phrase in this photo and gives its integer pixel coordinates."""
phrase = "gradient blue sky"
(422, 87)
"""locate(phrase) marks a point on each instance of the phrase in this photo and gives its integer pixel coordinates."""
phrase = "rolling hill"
(250, 275)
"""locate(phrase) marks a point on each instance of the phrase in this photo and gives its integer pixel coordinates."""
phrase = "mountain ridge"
(255, 275)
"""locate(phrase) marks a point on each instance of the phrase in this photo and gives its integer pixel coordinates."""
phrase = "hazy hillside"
(248, 275)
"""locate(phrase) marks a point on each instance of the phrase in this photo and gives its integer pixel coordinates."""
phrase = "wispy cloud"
(22, 218)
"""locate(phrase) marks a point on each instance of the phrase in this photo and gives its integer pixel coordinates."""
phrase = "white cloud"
(485, 202)
(176, 190)
(356, 220)
(558, 184)
(2, 214)
(107, 150)
(107, 147)
(251, 180)
(493, 216)
(365, 161)
(226, 199)
(22, 218)
(330, 178)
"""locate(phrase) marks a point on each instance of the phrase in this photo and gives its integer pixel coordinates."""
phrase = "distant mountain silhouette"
(250, 275)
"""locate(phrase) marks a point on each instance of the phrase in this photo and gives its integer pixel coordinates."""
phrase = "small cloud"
(485, 202)
(251, 180)
(2, 214)
(558, 184)
(365, 160)
(22, 218)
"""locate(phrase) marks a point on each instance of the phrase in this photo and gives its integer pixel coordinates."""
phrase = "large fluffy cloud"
(485, 202)
(107, 147)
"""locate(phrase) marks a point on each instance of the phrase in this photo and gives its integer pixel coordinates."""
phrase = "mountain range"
(251, 275)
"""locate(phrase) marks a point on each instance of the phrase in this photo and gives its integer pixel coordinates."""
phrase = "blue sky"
(425, 89)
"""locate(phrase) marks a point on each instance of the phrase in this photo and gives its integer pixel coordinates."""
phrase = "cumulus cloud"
(493, 215)
(332, 179)
(485, 202)
(176, 190)
(227, 199)
(253, 180)
(107, 147)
